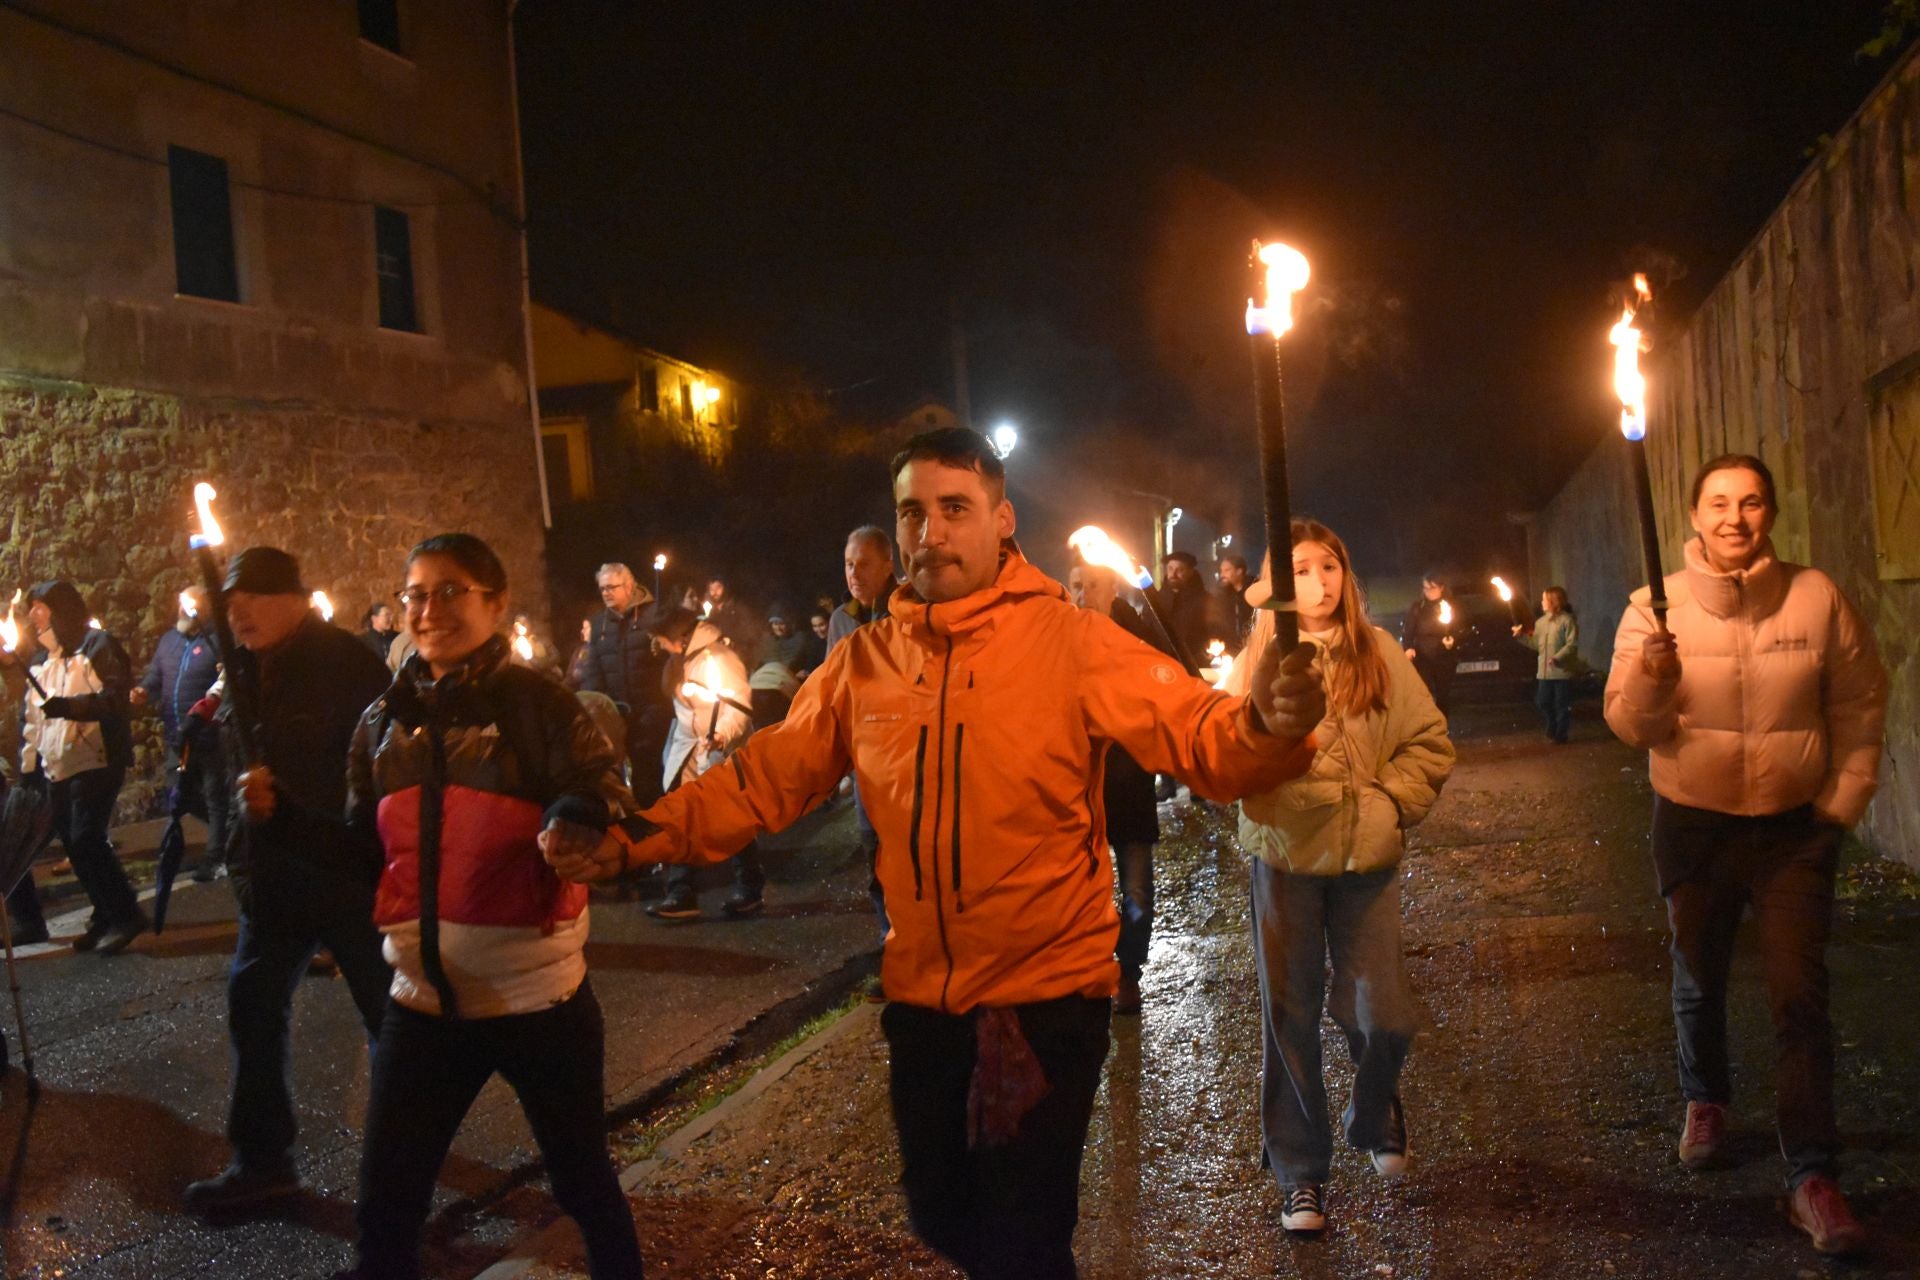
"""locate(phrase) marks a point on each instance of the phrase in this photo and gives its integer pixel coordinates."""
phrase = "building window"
(202, 226)
(393, 264)
(569, 458)
(650, 390)
(380, 23)
(686, 398)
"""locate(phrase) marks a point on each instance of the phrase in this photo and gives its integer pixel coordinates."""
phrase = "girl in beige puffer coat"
(1325, 881)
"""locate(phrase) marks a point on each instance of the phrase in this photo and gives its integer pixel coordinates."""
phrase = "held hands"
(1660, 657)
(256, 794)
(1287, 693)
(137, 697)
(581, 854)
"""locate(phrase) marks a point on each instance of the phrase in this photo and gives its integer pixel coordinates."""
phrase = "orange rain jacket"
(977, 730)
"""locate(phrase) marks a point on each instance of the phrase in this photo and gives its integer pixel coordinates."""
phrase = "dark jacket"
(310, 693)
(621, 660)
(379, 643)
(1422, 631)
(1187, 609)
(456, 777)
(1233, 618)
(184, 667)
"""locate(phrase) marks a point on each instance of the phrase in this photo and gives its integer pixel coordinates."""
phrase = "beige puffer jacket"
(1373, 777)
(1781, 699)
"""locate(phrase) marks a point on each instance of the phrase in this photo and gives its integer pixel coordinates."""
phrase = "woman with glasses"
(469, 767)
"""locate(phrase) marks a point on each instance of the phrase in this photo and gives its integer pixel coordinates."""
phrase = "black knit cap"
(265, 571)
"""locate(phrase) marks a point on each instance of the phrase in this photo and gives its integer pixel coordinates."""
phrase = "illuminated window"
(380, 23)
(393, 265)
(203, 264)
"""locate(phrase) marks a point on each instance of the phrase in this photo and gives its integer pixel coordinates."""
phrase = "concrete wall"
(1588, 541)
(1809, 336)
(324, 433)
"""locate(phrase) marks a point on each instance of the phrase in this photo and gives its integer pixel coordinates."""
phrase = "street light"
(1005, 439)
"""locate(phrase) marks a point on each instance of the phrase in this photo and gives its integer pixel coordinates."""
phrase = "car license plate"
(1469, 667)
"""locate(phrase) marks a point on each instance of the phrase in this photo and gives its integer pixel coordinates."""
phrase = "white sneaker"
(1301, 1208)
(1390, 1157)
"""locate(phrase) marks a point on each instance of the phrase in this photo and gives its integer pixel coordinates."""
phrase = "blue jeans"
(1298, 923)
(1555, 700)
(1136, 907)
(1782, 866)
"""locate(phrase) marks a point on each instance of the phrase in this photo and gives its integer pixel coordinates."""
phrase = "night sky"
(816, 190)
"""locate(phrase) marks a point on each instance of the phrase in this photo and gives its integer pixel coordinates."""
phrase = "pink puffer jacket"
(1781, 699)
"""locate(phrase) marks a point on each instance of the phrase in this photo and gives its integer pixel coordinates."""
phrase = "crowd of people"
(429, 798)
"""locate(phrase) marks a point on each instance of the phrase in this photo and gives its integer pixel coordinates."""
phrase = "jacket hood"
(1017, 580)
(1761, 586)
(68, 610)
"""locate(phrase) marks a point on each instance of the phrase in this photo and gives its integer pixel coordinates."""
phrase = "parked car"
(1490, 664)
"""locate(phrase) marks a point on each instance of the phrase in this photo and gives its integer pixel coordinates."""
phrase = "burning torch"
(322, 605)
(1095, 547)
(1631, 386)
(522, 642)
(659, 566)
(239, 688)
(1446, 621)
(10, 640)
(1284, 272)
(710, 687)
(1506, 593)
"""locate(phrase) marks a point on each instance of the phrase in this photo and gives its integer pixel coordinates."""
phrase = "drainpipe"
(526, 275)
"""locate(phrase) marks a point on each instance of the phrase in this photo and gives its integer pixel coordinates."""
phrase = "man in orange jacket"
(976, 719)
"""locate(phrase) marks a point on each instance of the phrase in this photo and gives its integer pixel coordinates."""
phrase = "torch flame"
(1287, 274)
(187, 606)
(1095, 547)
(1628, 382)
(1446, 613)
(210, 534)
(9, 629)
(660, 562)
(321, 604)
(707, 686)
(1216, 649)
(1500, 585)
(522, 642)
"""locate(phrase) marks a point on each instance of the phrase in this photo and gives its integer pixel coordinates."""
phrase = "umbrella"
(173, 849)
(26, 824)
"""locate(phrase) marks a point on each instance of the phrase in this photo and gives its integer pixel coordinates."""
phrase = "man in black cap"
(303, 881)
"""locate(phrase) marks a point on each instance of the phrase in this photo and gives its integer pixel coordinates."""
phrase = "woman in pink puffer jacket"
(1763, 705)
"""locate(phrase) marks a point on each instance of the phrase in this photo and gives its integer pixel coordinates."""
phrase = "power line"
(138, 157)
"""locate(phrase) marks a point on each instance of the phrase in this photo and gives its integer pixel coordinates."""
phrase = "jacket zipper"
(919, 798)
(959, 732)
(939, 796)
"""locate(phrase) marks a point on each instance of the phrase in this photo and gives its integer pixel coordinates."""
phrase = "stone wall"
(98, 482)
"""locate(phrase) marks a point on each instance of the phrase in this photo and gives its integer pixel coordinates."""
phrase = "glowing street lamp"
(1005, 438)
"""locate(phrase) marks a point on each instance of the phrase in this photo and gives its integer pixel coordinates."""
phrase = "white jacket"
(1374, 776)
(63, 748)
(1781, 699)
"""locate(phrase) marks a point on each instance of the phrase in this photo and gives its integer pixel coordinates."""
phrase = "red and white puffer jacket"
(459, 775)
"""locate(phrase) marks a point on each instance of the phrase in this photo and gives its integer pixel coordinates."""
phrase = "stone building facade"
(1807, 354)
(275, 247)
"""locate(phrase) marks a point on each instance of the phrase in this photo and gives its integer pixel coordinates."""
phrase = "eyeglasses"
(414, 599)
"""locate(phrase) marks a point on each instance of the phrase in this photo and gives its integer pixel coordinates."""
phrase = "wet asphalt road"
(133, 1065)
(1540, 1094)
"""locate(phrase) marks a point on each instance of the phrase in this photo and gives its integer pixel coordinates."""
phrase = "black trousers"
(428, 1070)
(279, 933)
(1006, 1211)
(82, 816)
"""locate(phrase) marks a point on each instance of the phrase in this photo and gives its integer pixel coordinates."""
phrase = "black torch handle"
(32, 683)
(1158, 608)
(1649, 531)
(1270, 410)
(239, 686)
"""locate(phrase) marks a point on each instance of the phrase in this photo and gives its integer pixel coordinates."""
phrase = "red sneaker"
(1705, 1129)
(1818, 1208)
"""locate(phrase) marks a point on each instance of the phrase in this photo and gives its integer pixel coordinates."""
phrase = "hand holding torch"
(10, 640)
(1284, 272)
(212, 578)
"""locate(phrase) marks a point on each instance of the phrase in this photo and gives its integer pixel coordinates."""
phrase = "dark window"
(393, 263)
(380, 23)
(553, 447)
(686, 399)
(650, 390)
(202, 226)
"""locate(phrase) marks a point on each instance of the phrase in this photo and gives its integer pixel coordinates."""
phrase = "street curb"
(530, 1250)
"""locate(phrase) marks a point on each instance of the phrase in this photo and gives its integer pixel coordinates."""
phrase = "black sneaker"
(204, 871)
(1301, 1208)
(119, 937)
(96, 929)
(238, 1187)
(675, 908)
(740, 906)
(1390, 1157)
